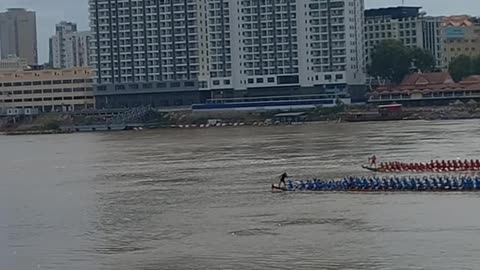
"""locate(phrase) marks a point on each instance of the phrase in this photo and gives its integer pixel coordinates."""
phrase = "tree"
(422, 60)
(461, 67)
(476, 65)
(390, 60)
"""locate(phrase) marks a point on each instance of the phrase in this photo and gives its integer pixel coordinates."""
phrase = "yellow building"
(461, 36)
(59, 90)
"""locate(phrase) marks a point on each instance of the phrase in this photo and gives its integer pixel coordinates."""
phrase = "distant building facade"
(18, 34)
(432, 38)
(461, 36)
(68, 47)
(398, 23)
(12, 63)
(47, 90)
(173, 53)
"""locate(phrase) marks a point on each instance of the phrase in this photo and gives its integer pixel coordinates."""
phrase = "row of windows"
(47, 82)
(46, 91)
(40, 99)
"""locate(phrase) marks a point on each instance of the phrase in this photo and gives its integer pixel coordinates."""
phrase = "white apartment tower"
(269, 44)
(178, 51)
(69, 48)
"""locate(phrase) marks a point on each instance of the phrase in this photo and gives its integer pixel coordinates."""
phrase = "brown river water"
(200, 199)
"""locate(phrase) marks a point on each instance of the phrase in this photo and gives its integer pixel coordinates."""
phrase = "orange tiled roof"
(427, 78)
(429, 82)
(457, 21)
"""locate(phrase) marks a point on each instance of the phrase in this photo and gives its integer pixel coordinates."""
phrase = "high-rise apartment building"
(432, 38)
(269, 44)
(18, 34)
(461, 36)
(398, 23)
(69, 48)
(177, 52)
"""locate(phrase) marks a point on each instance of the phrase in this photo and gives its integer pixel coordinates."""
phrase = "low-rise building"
(428, 89)
(47, 90)
(12, 63)
(461, 36)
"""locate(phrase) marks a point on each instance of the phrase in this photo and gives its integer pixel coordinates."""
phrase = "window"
(27, 83)
(57, 90)
(216, 82)
(271, 80)
(161, 85)
(328, 77)
(175, 84)
(133, 86)
(189, 84)
(339, 77)
(57, 82)
(147, 86)
(47, 82)
(259, 80)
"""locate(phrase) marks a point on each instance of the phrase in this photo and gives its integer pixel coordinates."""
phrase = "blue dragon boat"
(390, 184)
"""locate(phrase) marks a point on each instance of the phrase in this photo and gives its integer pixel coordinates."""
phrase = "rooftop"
(430, 82)
(393, 12)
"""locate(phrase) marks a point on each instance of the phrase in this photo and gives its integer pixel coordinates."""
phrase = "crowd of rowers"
(449, 165)
(440, 183)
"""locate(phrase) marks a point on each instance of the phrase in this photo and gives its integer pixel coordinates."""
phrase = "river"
(200, 199)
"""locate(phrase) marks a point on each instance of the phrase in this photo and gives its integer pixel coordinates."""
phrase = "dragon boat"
(433, 166)
(388, 184)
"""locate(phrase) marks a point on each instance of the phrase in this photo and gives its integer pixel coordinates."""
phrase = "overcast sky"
(50, 12)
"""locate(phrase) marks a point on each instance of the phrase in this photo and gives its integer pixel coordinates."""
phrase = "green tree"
(390, 61)
(476, 65)
(422, 60)
(461, 67)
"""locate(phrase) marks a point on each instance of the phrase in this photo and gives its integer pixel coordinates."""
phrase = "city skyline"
(77, 11)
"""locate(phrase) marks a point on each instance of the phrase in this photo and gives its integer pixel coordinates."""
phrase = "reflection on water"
(199, 199)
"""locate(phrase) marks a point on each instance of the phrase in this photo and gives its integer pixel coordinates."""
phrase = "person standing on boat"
(373, 161)
(283, 177)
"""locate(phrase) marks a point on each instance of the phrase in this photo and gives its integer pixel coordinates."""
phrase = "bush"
(51, 125)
